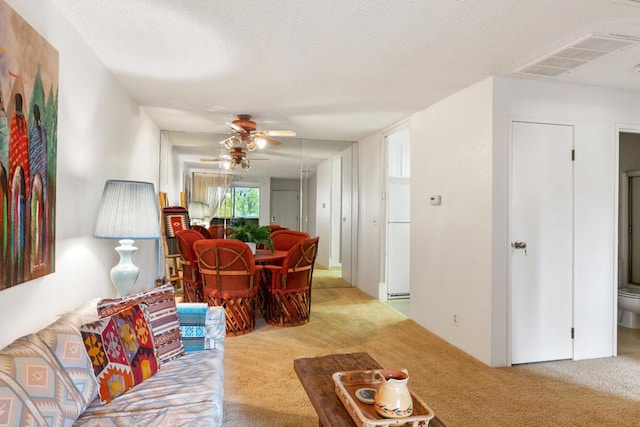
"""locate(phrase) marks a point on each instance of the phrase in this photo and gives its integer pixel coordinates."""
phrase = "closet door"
(541, 242)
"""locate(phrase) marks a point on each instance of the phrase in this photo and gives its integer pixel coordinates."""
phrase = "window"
(241, 202)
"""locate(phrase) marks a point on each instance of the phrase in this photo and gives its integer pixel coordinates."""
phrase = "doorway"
(541, 242)
(628, 339)
(398, 221)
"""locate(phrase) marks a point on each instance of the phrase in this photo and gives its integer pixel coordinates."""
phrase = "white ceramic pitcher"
(393, 399)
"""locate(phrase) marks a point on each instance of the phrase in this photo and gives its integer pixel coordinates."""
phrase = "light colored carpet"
(261, 387)
(328, 278)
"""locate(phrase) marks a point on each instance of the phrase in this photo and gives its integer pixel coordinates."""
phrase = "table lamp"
(128, 211)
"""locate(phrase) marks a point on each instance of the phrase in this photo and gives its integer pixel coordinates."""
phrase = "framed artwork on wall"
(28, 141)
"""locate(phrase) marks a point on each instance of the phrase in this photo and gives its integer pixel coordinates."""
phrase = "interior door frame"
(620, 128)
(509, 206)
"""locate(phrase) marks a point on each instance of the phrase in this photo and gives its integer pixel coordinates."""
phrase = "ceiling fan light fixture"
(246, 165)
(260, 142)
(251, 144)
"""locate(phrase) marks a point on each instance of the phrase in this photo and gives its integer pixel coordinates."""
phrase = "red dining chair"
(230, 278)
(283, 240)
(202, 230)
(191, 279)
(217, 231)
(276, 227)
(289, 293)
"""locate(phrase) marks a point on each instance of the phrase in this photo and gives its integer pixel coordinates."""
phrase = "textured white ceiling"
(333, 69)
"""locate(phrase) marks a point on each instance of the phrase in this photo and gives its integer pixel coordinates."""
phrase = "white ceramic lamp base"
(125, 273)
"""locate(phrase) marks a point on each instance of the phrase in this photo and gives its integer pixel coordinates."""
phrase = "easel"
(172, 266)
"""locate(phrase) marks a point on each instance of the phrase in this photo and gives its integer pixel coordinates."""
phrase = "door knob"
(518, 245)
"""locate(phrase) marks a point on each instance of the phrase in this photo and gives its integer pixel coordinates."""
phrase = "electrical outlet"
(455, 319)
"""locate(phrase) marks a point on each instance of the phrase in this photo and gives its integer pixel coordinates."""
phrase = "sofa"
(48, 379)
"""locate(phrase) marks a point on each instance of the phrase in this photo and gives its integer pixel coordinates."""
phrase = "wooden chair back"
(275, 227)
(283, 240)
(217, 231)
(226, 265)
(202, 230)
(297, 267)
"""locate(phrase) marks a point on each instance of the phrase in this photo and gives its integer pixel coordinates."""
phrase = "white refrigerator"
(398, 233)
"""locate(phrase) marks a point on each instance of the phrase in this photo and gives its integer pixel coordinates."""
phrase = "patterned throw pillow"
(121, 350)
(197, 322)
(165, 326)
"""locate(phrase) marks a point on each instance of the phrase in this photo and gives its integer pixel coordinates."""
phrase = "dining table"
(265, 256)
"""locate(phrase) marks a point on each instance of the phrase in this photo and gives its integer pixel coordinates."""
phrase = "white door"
(542, 243)
(285, 209)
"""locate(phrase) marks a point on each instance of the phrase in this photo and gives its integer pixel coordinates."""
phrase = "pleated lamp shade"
(128, 210)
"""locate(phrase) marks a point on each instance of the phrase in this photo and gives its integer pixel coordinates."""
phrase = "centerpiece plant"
(248, 232)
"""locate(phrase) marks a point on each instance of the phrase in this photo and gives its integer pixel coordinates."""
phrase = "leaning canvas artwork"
(28, 125)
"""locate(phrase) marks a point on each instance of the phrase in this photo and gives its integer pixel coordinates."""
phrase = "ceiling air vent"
(629, 2)
(577, 54)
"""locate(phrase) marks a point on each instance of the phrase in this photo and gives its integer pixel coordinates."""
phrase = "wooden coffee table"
(315, 375)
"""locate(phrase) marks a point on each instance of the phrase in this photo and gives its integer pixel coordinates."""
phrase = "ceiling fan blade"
(214, 159)
(271, 141)
(275, 133)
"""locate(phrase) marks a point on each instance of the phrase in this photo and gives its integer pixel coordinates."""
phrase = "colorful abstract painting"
(28, 140)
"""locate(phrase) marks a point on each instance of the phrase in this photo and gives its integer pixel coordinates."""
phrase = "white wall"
(451, 156)
(171, 171)
(369, 216)
(102, 134)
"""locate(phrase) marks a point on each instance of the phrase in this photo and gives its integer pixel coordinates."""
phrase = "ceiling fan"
(236, 157)
(246, 132)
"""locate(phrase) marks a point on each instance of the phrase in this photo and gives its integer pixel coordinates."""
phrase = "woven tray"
(364, 415)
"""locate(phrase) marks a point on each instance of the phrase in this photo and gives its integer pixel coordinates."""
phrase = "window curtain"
(210, 189)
